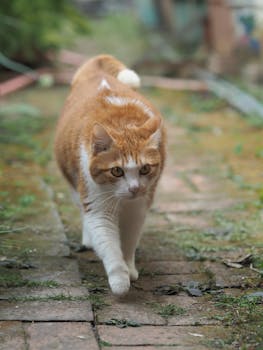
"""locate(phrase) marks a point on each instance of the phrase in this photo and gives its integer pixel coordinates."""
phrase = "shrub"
(28, 29)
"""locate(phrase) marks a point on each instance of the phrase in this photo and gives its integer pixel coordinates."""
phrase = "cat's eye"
(145, 169)
(117, 171)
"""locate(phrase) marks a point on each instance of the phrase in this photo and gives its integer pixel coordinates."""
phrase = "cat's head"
(130, 162)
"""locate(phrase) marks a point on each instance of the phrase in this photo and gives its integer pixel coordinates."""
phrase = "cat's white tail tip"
(129, 77)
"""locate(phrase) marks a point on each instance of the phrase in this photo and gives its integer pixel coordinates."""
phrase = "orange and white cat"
(110, 146)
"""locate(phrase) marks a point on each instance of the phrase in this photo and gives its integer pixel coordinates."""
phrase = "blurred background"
(170, 37)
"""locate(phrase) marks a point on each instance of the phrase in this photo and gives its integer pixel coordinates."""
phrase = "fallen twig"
(256, 270)
(16, 83)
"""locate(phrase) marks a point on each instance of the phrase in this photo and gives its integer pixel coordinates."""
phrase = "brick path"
(52, 297)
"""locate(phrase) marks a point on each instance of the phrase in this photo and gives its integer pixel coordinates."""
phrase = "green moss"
(258, 263)
(14, 279)
(97, 301)
(217, 343)
(239, 309)
(167, 310)
(59, 297)
(20, 130)
(19, 211)
(244, 315)
(26, 200)
(104, 343)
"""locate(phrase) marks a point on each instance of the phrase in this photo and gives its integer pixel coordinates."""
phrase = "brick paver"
(60, 336)
(12, 336)
(161, 335)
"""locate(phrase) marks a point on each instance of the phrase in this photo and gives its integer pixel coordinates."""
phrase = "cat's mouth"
(132, 196)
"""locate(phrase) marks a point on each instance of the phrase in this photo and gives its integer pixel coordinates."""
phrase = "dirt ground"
(200, 258)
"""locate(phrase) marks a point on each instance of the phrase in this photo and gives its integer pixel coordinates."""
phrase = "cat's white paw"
(119, 283)
(134, 274)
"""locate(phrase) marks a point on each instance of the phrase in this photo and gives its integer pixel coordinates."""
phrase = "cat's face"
(127, 177)
(127, 171)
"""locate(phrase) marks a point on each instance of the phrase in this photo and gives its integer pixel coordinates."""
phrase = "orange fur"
(128, 125)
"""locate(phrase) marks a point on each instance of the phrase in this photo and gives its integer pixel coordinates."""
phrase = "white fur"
(75, 197)
(116, 100)
(124, 101)
(131, 163)
(155, 139)
(129, 77)
(104, 85)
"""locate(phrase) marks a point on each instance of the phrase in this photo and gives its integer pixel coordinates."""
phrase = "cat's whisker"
(96, 196)
(107, 199)
(116, 206)
(87, 205)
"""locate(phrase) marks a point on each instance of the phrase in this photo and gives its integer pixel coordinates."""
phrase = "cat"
(110, 146)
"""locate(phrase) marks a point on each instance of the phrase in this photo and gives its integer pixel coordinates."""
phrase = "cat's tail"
(109, 65)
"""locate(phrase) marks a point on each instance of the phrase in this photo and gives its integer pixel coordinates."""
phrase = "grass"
(167, 310)
(239, 309)
(12, 280)
(14, 210)
(19, 128)
(258, 263)
(96, 301)
(245, 316)
(235, 230)
(239, 180)
(19, 210)
(217, 343)
(58, 297)
(23, 139)
(205, 102)
(104, 343)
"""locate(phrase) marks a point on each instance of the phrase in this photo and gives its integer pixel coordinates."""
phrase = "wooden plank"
(16, 83)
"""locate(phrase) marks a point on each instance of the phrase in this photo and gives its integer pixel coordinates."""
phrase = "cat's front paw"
(134, 274)
(119, 283)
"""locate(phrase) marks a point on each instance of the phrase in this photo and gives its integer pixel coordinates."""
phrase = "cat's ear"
(101, 140)
(153, 131)
(155, 139)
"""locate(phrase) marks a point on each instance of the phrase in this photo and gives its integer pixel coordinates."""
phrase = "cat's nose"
(134, 189)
